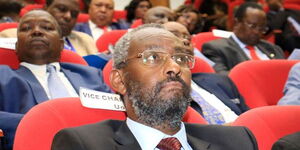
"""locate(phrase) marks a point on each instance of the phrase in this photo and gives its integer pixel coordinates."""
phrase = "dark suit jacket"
(20, 91)
(289, 142)
(223, 88)
(115, 135)
(84, 27)
(226, 53)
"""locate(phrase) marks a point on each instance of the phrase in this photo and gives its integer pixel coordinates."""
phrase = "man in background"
(101, 14)
(40, 76)
(246, 43)
(66, 13)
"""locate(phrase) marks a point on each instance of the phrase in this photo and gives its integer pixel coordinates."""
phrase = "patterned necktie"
(252, 52)
(171, 143)
(210, 113)
(55, 85)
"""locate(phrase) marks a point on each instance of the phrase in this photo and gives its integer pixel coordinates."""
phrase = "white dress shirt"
(148, 138)
(226, 112)
(259, 53)
(40, 72)
(96, 31)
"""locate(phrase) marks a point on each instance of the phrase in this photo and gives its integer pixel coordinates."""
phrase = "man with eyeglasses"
(152, 73)
(246, 43)
(101, 14)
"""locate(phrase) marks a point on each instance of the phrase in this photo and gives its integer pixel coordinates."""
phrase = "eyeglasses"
(158, 58)
(260, 28)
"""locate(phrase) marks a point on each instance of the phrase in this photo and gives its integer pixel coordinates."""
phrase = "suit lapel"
(74, 78)
(126, 139)
(238, 48)
(265, 51)
(37, 89)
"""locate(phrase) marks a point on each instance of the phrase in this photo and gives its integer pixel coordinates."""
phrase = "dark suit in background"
(20, 91)
(115, 135)
(84, 27)
(223, 88)
(226, 53)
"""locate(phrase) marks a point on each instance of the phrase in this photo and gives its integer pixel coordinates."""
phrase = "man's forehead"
(42, 16)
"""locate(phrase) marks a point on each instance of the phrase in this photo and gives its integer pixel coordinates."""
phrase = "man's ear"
(116, 81)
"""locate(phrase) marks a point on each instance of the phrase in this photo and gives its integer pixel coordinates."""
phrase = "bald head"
(159, 15)
(181, 32)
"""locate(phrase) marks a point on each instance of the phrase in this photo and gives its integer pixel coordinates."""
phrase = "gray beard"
(155, 111)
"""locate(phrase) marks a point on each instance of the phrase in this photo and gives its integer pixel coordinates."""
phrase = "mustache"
(160, 84)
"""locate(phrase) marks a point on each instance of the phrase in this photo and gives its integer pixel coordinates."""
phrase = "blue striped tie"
(55, 85)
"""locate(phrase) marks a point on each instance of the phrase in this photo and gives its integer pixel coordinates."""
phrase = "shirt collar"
(154, 136)
(92, 25)
(39, 68)
(238, 41)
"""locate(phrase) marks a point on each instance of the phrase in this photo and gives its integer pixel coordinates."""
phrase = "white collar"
(154, 136)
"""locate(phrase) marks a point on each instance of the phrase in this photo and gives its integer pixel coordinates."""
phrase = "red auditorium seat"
(202, 66)
(38, 127)
(8, 25)
(29, 7)
(136, 23)
(83, 18)
(120, 14)
(199, 39)
(261, 82)
(270, 123)
(109, 38)
(9, 57)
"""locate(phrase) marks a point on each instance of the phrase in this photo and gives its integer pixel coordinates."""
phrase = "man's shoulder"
(9, 33)
(209, 76)
(78, 68)
(6, 69)
(104, 128)
(81, 36)
(228, 137)
(218, 43)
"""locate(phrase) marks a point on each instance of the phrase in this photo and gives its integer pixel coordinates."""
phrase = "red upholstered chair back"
(8, 25)
(202, 66)
(199, 39)
(136, 23)
(109, 38)
(83, 18)
(38, 127)
(106, 73)
(9, 57)
(270, 123)
(30, 7)
(261, 82)
(120, 14)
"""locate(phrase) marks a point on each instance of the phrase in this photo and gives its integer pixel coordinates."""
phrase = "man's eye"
(62, 8)
(25, 28)
(48, 28)
(152, 58)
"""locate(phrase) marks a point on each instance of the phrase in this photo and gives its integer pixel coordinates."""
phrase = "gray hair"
(121, 48)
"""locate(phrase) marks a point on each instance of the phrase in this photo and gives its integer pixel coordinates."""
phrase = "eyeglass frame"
(252, 26)
(141, 55)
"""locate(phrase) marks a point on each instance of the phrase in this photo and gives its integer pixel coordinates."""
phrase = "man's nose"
(172, 69)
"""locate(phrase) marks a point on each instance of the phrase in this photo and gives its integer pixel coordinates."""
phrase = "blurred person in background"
(101, 14)
(189, 17)
(136, 9)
